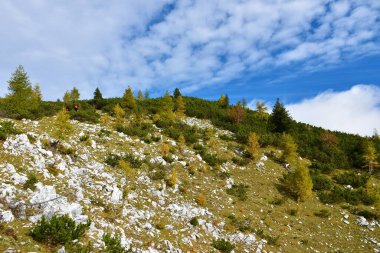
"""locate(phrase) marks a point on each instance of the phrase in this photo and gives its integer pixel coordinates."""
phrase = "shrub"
(84, 137)
(354, 197)
(351, 178)
(370, 215)
(6, 128)
(194, 221)
(241, 161)
(323, 213)
(321, 182)
(133, 161)
(239, 191)
(112, 159)
(31, 181)
(172, 179)
(58, 230)
(85, 115)
(211, 159)
(113, 244)
(201, 199)
(78, 248)
(223, 245)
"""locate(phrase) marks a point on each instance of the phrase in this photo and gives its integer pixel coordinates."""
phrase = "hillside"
(170, 195)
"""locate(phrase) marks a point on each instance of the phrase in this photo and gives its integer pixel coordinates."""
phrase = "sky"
(309, 54)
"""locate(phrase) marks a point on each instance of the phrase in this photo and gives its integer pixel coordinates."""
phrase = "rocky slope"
(150, 215)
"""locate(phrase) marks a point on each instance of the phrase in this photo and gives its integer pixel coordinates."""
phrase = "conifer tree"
(289, 149)
(119, 115)
(22, 101)
(37, 94)
(97, 95)
(67, 97)
(299, 182)
(280, 120)
(140, 96)
(370, 156)
(129, 99)
(236, 113)
(167, 106)
(180, 107)
(261, 107)
(176, 93)
(223, 101)
(253, 145)
(62, 126)
(74, 95)
(146, 94)
(244, 103)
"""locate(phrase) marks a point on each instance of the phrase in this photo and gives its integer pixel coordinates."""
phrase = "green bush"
(113, 244)
(339, 194)
(241, 161)
(194, 221)
(6, 128)
(78, 248)
(239, 191)
(369, 215)
(132, 160)
(112, 159)
(321, 182)
(31, 181)
(140, 130)
(351, 178)
(223, 245)
(58, 230)
(85, 115)
(323, 213)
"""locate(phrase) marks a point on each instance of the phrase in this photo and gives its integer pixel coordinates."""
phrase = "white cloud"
(195, 44)
(354, 111)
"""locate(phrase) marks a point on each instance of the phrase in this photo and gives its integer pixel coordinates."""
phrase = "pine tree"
(223, 101)
(67, 97)
(299, 182)
(176, 93)
(97, 95)
(280, 120)
(129, 99)
(140, 96)
(253, 145)
(37, 94)
(180, 106)
(62, 126)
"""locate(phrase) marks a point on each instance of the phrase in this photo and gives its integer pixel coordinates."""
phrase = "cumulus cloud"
(354, 111)
(168, 43)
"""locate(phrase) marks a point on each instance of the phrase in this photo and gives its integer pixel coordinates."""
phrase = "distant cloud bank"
(356, 110)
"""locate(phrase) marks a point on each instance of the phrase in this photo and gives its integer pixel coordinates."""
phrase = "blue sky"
(295, 50)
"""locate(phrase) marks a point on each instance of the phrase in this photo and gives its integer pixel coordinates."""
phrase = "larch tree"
(236, 113)
(369, 156)
(180, 107)
(119, 115)
(129, 99)
(167, 106)
(22, 100)
(299, 182)
(140, 96)
(62, 126)
(253, 145)
(289, 149)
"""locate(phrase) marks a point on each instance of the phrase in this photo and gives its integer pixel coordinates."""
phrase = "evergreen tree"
(176, 93)
(180, 106)
(253, 145)
(62, 126)
(67, 97)
(261, 107)
(280, 120)
(244, 103)
(129, 99)
(140, 96)
(223, 101)
(97, 95)
(299, 182)
(146, 94)
(119, 115)
(22, 101)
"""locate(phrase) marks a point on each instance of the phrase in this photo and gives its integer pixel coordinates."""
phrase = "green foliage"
(85, 115)
(280, 120)
(6, 128)
(351, 178)
(113, 244)
(62, 127)
(78, 248)
(339, 194)
(135, 129)
(176, 93)
(243, 224)
(58, 230)
(323, 213)
(239, 191)
(23, 101)
(211, 159)
(194, 221)
(30, 182)
(112, 159)
(223, 245)
(321, 182)
(368, 214)
(129, 99)
(299, 182)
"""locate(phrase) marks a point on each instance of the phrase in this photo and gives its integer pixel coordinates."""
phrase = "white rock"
(116, 195)
(6, 216)
(362, 221)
